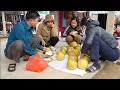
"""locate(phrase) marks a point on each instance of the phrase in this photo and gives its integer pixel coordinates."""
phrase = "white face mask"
(83, 28)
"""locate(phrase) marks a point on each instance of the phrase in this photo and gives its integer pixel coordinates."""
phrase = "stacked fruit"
(43, 52)
(73, 51)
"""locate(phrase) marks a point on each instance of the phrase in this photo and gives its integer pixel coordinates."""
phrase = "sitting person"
(47, 32)
(116, 34)
(100, 43)
(21, 41)
(73, 32)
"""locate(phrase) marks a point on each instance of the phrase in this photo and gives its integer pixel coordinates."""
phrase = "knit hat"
(49, 17)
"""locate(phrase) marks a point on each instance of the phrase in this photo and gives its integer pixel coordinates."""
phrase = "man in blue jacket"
(21, 41)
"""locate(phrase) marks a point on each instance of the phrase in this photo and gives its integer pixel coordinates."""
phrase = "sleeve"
(54, 31)
(38, 31)
(20, 35)
(88, 41)
(68, 31)
(40, 47)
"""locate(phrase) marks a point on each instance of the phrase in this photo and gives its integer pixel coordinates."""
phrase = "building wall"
(110, 22)
(56, 17)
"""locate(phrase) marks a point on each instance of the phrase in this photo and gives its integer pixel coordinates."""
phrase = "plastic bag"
(36, 64)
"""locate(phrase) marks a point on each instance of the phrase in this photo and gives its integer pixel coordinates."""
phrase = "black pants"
(52, 42)
(16, 49)
(101, 49)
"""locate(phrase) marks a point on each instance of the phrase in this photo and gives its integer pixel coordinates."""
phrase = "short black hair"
(32, 15)
(83, 21)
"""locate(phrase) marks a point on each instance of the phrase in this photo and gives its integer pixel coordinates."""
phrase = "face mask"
(83, 29)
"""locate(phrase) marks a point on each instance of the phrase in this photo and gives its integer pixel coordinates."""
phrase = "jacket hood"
(92, 23)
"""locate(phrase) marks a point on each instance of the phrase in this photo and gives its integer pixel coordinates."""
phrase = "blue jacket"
(23, 32)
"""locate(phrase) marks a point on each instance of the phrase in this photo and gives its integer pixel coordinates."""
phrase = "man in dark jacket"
(100, 43)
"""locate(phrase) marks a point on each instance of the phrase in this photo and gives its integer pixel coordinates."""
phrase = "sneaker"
(53, 48)
(93, 68)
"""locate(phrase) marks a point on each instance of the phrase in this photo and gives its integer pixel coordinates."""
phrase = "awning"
(98, 12)
(104, 12)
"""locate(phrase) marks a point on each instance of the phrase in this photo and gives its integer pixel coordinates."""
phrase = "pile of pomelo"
(73, 51)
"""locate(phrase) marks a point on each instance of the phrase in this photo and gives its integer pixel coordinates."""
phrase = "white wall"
(56, 17)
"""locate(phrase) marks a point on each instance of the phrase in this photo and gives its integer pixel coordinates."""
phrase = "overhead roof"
(13, 12)
(102, 12)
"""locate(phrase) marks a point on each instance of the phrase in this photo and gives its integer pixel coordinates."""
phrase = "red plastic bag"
(36, 63)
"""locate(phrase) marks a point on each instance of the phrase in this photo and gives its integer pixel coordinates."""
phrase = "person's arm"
(20, 35)
(68, 31)
(40, 47)
(38, 34)
(88, 41)
(38, 31)
(54, 31)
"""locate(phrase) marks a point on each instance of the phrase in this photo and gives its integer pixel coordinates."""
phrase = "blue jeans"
(101, 49)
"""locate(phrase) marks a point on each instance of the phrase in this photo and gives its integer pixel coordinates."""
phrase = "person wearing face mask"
(100, 43)
(73, 32)
(47, 32)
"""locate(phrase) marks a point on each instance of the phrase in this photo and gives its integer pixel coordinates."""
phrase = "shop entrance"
(102, 18)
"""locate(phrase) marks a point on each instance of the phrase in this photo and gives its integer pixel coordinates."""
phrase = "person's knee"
(19, 44)
(77, 38)
(34, 39)
(56, 38)
(69, 39)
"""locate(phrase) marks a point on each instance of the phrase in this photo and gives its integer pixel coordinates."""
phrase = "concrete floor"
(22, 73)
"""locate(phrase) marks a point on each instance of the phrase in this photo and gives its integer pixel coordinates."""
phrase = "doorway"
(102, 18)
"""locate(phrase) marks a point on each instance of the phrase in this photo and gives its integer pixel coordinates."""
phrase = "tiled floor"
(22, 73)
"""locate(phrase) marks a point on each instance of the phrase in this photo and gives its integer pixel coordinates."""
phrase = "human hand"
(43, 43)
(74, 33)
(26, 57)
(44, 49)
(118, 47)
(81, 55)
(52, 25)
(70, 33)
(40, 53)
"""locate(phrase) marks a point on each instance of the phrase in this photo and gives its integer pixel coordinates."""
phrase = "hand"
(52, 25)
(70, 33)
(88, 53)
(26, 57)
(40, 53)
(74, 33)
(81, 55)
(117, 47)
(44, 49)
(43, 43)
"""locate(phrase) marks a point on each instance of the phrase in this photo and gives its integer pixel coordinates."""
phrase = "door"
(102, 18)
